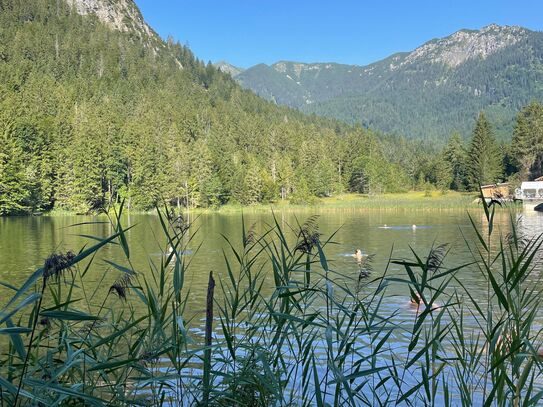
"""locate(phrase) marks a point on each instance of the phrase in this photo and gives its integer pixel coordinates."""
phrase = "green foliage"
(455, 157)
(90, 116)
(527, 144)
(97, 115)
(484, 158)
(14, 193)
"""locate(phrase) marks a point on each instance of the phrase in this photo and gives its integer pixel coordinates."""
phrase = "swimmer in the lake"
(358, 255)
(417, 302)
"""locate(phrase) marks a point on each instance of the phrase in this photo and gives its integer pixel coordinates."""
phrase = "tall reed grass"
(322, 337)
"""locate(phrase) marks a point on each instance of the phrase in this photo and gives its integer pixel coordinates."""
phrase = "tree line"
(482, 160)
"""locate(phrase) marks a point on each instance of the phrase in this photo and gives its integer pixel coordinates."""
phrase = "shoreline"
(407, 201)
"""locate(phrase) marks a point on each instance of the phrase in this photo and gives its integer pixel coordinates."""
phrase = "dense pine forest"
(90, 116)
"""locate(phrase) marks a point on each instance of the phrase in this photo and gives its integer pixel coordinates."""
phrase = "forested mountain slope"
(95, 107)
(428, 93)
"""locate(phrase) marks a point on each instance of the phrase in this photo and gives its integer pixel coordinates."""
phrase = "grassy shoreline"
(415, 200)
(398, 201)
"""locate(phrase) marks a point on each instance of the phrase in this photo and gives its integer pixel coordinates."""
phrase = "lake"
(25, 242)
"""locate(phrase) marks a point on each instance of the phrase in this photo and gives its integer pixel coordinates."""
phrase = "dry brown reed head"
(56, 263)
(148, 357)
(308, 235)
(250, 237)
(178, 223)
(435, 258)
(120, 286)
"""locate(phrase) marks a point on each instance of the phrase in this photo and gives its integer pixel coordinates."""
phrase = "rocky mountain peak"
(122, 15)
(230, 69)
(467, 44)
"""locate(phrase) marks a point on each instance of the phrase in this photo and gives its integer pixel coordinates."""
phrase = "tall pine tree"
(13, 181)
(484, 158)
(527, 143)
(455, 154)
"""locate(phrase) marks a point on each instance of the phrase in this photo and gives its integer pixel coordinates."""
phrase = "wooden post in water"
(209, 331)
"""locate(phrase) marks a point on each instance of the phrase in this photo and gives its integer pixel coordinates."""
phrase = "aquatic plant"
(319, 337)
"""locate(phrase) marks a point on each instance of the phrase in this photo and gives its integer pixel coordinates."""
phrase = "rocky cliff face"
(230, 69)
(122, 15)
(467, 44)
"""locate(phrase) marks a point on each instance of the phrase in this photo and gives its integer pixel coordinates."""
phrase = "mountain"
(122, 15)
(230, 69)
(95, 108)
(428, 93)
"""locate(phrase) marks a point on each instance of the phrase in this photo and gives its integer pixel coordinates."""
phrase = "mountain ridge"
(476, 70)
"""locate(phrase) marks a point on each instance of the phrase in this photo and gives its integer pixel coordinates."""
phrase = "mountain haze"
(435, 90)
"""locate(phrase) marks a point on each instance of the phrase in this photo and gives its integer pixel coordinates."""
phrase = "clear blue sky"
(247, 32)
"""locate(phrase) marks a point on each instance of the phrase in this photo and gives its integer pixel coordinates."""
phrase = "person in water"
(358, 255)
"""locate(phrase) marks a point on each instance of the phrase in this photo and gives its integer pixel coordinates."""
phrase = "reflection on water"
(26, 242)
(363, 244)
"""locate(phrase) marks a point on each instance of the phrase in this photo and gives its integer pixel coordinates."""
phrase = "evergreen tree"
(443, 173)
(13, 183)
(484, 158)
(252, 186)
(527, 145)
(455, 155)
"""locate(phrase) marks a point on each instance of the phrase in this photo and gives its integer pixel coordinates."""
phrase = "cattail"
(56, 263)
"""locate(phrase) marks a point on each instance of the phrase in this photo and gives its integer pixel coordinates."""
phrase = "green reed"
(321, 337)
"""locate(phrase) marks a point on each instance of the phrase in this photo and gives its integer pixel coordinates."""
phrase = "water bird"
(414, 227)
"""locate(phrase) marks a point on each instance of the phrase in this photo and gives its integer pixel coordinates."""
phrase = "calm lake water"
(26, 241)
